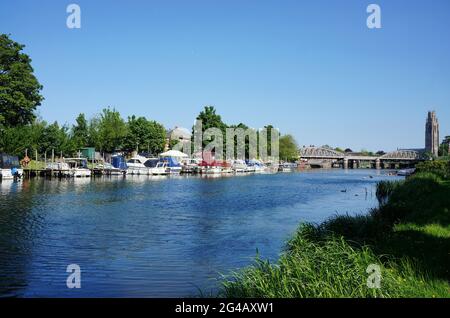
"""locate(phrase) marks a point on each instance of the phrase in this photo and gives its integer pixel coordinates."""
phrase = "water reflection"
(159, 235)
(7, 186)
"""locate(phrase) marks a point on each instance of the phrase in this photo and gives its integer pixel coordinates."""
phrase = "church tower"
(432, 134)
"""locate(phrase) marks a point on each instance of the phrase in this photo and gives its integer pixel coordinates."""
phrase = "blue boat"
(119, 162)
(172, 165)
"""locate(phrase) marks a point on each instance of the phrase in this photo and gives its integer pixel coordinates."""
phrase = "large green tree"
(112, 130)
(210, 119)
(443, 148)
(19, 88)
(80, 132)
(145, 135)
(94, 133)
(288, 148)
(55, 139)
(15, 140)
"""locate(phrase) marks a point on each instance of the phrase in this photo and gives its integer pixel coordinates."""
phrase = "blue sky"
(311, 68)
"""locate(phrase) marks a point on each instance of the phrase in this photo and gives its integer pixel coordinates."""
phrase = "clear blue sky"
(311, 68)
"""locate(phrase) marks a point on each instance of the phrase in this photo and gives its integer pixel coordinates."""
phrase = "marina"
(169, 163)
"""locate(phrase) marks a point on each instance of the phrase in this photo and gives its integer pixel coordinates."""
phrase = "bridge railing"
(325, 153)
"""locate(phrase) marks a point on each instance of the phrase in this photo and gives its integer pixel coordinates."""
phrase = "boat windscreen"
(8, 162)
(171, 162)
(151, 163)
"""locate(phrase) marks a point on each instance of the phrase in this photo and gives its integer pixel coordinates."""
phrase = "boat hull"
(7, 174)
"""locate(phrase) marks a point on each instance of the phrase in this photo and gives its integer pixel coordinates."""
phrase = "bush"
(441, 168)
(385, 189)
(364, 228)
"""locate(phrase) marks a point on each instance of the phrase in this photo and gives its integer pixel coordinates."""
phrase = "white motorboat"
(213, 170)
(226, 168)
(406, 172)
(10, 167)
(58, 168)
(257, 166)
(159, 169)
(239, 166)
(260, 169)
(137, 166)
(251, 168)
(271, 167)
(190, 165)
(174, 170)
(77, 167)
(108, 169)
(287, 167)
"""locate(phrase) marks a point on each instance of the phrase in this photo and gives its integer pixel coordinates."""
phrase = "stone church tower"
(432, 134)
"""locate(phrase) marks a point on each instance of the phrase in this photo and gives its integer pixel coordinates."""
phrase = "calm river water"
(166, 237)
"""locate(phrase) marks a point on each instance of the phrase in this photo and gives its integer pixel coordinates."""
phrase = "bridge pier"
(378, 164)
(345, 163)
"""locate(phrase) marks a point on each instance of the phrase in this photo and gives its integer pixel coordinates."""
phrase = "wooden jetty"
(64, 173)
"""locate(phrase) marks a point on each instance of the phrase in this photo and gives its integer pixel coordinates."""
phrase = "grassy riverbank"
(408, 236)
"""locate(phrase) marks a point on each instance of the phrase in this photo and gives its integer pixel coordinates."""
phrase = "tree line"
(288, 148)
(21, 130)
(106, 132)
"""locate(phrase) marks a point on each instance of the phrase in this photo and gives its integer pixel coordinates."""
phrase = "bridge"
(319, 156)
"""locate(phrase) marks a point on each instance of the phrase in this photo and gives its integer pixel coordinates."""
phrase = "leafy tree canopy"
(19, 88)
(210, 119)
(15, 140)
(112, 130)
(288, 148)
(80, 132)
(145, 135)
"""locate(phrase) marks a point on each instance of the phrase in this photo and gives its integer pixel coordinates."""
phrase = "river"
(160, 237)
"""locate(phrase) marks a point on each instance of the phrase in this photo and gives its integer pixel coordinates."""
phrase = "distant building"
(432, 134)
(178, 134)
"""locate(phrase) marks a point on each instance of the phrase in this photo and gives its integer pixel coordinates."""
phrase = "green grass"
(408, 236)
(435, 230)
(385, 189)
(36, 165)
(329, 268)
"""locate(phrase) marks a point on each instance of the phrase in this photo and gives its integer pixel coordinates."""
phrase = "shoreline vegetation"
(24, 133)
(407, 236)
